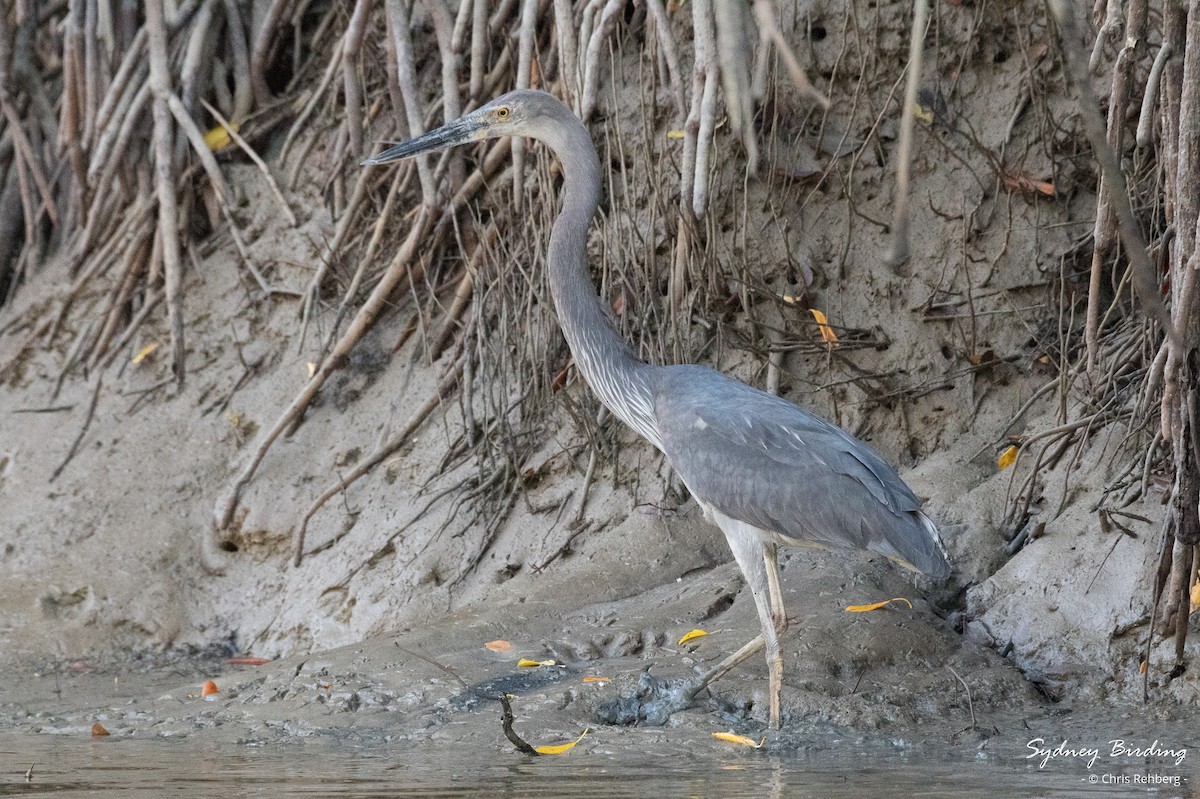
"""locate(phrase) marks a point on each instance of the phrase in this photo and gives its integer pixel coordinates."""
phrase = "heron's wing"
(762, 460)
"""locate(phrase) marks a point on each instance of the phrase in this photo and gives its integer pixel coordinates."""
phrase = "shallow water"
(65, 766)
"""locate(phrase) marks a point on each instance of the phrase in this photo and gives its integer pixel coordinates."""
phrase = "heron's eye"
(502, 113)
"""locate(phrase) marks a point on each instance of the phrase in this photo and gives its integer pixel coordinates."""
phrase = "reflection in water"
(67, 766)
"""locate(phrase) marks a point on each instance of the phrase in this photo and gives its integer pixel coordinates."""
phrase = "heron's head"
(520, 113)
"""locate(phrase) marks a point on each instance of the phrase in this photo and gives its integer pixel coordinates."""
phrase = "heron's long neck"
(604, 358)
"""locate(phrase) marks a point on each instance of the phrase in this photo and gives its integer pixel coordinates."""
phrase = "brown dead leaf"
(497, 646)
(98, 730)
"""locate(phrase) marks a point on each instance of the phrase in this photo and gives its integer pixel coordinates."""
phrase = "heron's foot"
(654, 702)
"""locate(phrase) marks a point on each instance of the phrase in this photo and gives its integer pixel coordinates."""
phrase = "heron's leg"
(725, 666)
(778, 612)
(752, 556)
(778, 626)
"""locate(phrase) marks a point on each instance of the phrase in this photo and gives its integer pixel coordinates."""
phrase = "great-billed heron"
(764, 470)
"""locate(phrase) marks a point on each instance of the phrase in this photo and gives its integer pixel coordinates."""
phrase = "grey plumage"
(762, 460)
(764, 470)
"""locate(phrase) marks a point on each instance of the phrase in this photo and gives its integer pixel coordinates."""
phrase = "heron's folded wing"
(765, 461)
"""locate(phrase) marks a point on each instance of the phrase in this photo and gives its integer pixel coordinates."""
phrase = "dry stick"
(1110, 32)
(87, 420)
(462, 293)
(399, 184)
(70, 126)
(1146, 117)
(897, 253)
(301, 122)
(708, 63)
(108, 143)
(122, 83)
(733, 46)
(313, 291)
(136, 255)
(765, 15)
(24, 155)
(84, 336)
(164, 169)
(248, 150)
(1135, 247)
(235, 33)
(262, 48)
(375, 304)
(445, 388)
(96, 218)
(1182, 142)
(443, 27)
(150, 304)
(351, 47)
(200, 52)
(591, 67)
(524, 75)
(217, 180)
(1102, 232)
(399, 12)
(479, 43)
(662, 28)
(568, 58)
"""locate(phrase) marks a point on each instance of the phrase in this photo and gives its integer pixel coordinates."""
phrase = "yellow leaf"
(312, 369)
(1008, 457)
(922, 113)
(526, 663)
(558, 749)
(142, 353)
(691, 636)
(675, 134)
(876, 605)
(739, 739)
(789, 299)
(218, 138)
(827, 334)
(497, 646)
(597, 679)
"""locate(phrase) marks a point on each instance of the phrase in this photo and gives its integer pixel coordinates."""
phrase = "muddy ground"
(110, 569)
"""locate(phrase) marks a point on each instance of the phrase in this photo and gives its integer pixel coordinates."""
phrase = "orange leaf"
(558, 749)
(497, 646)
(245, 661)
(597, 679)
(98, 730)
(209, 688)
(734, 738)
(827, 334)
(876, 605)
(1008, 457)
(526, 663)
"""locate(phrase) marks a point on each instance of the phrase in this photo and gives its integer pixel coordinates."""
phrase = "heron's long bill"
(459, 131)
